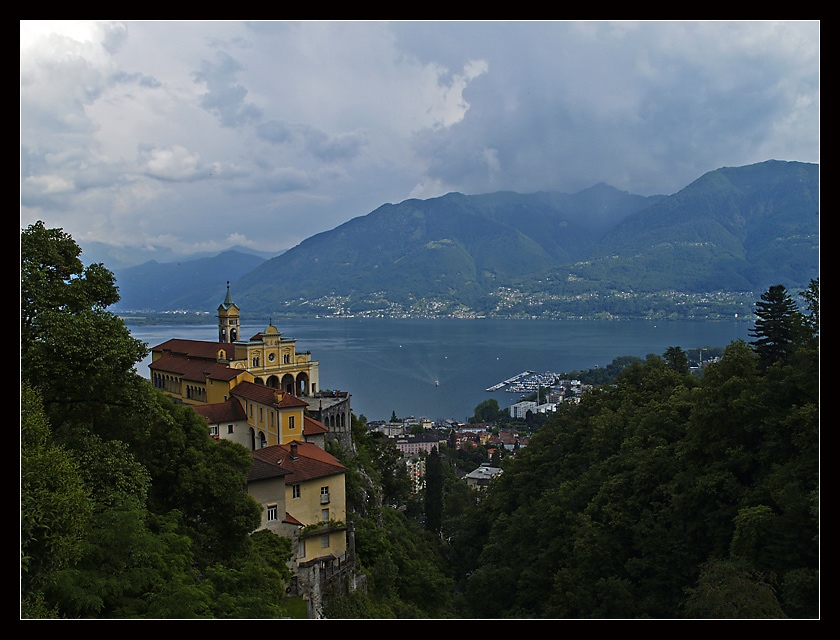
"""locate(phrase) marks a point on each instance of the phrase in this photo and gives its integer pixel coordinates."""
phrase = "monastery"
(277, 386)
(264, 394)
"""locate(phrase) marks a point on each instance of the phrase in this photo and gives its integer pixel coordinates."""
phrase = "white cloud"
(152, 130)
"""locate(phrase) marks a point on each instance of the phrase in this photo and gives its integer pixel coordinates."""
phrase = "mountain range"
(733, 231)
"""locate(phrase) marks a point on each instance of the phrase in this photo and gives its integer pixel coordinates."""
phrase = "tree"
(127, 506)
(676, 359)
(731, 589)
(77, 354)
(55, 507)
(621, 504)
(776, 327)
(486, 412)
(433, 499)
(812, 304)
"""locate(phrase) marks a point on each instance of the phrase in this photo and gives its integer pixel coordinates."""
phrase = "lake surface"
(392, 364)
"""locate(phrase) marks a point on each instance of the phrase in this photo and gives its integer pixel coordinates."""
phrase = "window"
(230, 428)
(271, 512)
(295, 491)
(325, 515)
(325, 541)
(214, 430)
(291, 422)
(325, 495)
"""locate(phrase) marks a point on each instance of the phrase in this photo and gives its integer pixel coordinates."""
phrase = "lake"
(393, 364)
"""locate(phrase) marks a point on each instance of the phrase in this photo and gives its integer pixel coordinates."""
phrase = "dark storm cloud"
(153, 133)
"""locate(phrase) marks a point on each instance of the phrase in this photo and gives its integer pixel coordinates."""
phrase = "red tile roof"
(197, 348)
(227, 411)
(196, 370)
(266, 395)
(290, 519)
(312, 427)
(262, 470)
(311, 461)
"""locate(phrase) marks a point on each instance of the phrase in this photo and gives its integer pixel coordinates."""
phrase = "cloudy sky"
(195, 136)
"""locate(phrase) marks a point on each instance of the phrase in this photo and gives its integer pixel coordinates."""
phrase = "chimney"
(293, 446)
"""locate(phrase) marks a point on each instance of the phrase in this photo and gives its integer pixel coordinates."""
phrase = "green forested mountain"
(454, 249)
(734, 231)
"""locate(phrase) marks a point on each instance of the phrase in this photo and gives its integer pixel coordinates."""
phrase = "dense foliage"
(406, 573)
(128, 508)
(663, 495)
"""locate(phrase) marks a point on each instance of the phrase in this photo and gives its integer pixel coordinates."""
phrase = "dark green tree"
(127, 506)
(659, 495)
(731, 589)
(433, 494)
(812, 304)
(777, 326)
(676, 359)
(77, 354)
(55, 507)
(486, 412)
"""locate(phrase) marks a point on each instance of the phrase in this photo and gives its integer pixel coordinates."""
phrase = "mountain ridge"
(734, 229)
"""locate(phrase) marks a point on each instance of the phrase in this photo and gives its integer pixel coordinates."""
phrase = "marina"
(526, 382)
(502, 385)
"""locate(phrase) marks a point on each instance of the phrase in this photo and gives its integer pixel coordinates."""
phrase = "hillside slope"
(735, 229)
(454, 248)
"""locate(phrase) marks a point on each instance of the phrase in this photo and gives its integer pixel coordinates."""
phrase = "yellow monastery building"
(198, 372)
(263, 394)
(194, 371)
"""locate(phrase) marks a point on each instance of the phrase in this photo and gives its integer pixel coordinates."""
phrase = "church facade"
(258, 391)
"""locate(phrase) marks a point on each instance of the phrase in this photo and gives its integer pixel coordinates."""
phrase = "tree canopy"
(662, 495)
(128, 508)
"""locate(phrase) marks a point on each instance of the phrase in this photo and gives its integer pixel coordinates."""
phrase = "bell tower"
(228, 319)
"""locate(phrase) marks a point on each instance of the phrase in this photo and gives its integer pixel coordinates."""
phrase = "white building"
(519, 409)
(481, 477)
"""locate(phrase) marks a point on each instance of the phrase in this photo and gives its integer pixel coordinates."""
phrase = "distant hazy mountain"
(121, 258)
(734, 229)
(192, 284)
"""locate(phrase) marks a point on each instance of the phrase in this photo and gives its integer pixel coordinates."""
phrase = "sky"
(188, 137)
